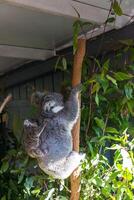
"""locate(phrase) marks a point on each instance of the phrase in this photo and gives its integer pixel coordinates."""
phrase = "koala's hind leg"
(71, 163)
(31, 138)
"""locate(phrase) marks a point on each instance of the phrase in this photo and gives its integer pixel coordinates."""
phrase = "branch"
(6, 100)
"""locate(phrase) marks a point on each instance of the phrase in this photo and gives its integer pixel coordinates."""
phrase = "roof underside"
(35, 30)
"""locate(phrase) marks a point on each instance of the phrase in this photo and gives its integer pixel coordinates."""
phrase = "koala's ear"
(37, 97)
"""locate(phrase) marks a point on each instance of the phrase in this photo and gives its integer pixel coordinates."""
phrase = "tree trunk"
(76, 79)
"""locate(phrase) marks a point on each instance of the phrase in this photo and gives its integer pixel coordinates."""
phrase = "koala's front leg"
(72, 107)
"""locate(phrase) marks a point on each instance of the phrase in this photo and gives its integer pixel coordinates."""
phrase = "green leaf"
(95, 88)
(130, 193)
(97, 62)
(111, 130)
(130, 105)
(29, 184)
(49, 194)
(128, 42)
(117, 155)
(120, 192)
(64, 63)
(105, 83)
(121, 76)
(100, 122)
(111, 79)
(3, 198)
(127, 175)
(5, 166)
(36, 191)
(115, 147)
(110, 20)
(97, 99)
(106, 65)
(107, 190)
(117, 9)
(57, 63)
(20, 178)
(114, 175)
(129, 90)
(97, 181)
(91, 149)
(110, 138)
(86, 24)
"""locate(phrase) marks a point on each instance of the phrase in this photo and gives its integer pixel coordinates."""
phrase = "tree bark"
(76, 79)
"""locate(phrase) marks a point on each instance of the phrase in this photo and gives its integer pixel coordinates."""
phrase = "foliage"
(108, 171)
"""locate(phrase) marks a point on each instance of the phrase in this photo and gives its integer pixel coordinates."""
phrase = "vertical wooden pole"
(76, 79)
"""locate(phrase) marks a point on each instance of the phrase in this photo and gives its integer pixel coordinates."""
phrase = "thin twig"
(105, 24)
(90, 105)
(6, 100)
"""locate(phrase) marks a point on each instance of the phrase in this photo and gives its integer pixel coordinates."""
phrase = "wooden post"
(76, 79)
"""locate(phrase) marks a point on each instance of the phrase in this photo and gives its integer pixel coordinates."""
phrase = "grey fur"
(49, 140)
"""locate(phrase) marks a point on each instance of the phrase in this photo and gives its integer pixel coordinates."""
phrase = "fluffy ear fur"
(36, 98)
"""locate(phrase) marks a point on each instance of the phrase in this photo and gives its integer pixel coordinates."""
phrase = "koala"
(49, 138)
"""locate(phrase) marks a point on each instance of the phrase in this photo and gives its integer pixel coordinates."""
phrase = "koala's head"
(49, 103)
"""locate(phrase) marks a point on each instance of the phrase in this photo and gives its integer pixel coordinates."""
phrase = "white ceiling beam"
(64, 8)
(68, 8)
(27, 53)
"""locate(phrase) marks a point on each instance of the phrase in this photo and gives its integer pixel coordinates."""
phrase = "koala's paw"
(77, 88)
(28, 123)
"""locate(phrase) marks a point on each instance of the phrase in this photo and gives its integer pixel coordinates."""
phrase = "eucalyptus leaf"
(111, 79)
(3, 198)
(21, 176)
(121, 76)
(95, 88)
(100, 122)
(128, 42)
(64, 63)
(114, 138)
(97, 99)
(29, 184)
(129, 88)
(111, 130)
(5, 166)
(110, 20)
(117, 9)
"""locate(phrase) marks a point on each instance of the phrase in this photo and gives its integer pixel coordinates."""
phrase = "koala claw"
(27, 123)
